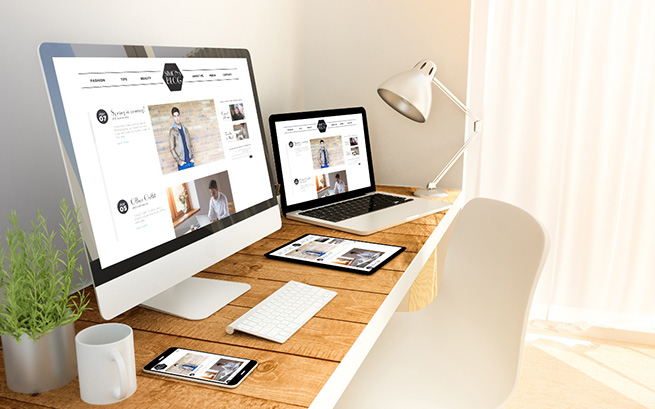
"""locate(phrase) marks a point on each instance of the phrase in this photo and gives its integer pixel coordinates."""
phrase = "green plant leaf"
(38, 279)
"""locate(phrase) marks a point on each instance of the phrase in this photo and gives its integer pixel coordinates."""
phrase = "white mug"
(105, 363)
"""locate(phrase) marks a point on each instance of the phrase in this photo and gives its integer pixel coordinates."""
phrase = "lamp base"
(430, 193)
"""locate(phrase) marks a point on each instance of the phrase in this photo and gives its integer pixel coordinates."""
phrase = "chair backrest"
(495, 257)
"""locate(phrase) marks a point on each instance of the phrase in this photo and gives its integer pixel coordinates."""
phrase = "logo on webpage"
(102, 116)
(173, 77)
(322, 126)
(122, 206)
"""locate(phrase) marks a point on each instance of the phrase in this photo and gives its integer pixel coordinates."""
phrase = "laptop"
(203, 220)
(325, 171)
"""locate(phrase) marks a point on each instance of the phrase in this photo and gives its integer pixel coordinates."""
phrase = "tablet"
(355, 256)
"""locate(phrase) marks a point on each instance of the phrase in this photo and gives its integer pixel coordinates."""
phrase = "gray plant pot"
(49, 363)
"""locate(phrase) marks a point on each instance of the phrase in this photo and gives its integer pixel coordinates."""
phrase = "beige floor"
(561, 371)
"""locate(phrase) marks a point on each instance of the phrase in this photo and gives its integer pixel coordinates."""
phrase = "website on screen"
(322, 157)
(163, 146)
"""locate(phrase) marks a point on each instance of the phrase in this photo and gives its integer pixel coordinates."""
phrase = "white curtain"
(568, 108)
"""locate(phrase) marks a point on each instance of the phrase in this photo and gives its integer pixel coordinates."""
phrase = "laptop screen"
(322, 156)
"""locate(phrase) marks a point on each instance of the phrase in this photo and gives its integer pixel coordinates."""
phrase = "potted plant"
(39, 302)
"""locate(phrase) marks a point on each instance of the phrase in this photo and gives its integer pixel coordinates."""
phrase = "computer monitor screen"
(165, 153)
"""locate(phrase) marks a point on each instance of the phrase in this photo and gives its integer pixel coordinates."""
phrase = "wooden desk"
(312, 368)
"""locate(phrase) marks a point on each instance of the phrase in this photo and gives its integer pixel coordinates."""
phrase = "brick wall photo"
(334, 146)
(199, 118)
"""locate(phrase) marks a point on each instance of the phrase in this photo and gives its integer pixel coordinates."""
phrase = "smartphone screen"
(204, 367)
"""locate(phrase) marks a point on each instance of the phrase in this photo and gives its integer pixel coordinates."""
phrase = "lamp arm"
(476, 131)
(433, 184)
(456, 100)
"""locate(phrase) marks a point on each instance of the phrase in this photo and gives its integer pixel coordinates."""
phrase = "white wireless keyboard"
(282, 313)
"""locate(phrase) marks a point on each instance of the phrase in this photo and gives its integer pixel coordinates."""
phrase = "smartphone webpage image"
(202, 366)
(359, 256)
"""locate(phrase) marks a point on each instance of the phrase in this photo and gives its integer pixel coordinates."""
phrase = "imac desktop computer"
(166, 158)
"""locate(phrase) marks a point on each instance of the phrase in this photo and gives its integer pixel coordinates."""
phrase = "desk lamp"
(410, 93)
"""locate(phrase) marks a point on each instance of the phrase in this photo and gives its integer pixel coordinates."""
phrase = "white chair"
(464, 350)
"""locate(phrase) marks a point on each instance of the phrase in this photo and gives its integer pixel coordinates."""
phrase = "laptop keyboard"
(356, 207)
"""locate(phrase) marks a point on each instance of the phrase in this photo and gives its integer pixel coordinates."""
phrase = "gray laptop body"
(323, 159)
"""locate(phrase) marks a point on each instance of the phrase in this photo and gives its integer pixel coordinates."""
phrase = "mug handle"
(122, 374)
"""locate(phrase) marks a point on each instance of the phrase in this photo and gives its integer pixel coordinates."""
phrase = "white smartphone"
(204, 367)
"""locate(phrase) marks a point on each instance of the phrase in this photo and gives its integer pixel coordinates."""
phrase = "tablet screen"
(343, 254)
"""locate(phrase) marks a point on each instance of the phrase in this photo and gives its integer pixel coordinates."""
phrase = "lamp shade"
(410, 92)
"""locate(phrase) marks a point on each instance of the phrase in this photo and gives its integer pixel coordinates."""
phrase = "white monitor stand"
(214, 294)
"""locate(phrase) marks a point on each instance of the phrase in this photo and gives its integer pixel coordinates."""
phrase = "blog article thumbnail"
(200, 202)
(358, 257)
(330, 184)
(241, 131)
(236, 112)
(327, 152)
(186, 134)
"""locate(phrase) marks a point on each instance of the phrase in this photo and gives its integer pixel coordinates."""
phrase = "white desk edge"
(329, 395)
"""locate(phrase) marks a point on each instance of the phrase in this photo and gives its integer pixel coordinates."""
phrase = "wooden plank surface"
(241, 265)
(15, 404)
(289, 375)
(424, 288)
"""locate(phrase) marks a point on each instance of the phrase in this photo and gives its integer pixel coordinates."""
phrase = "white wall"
(353, 46)
(31, 168)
